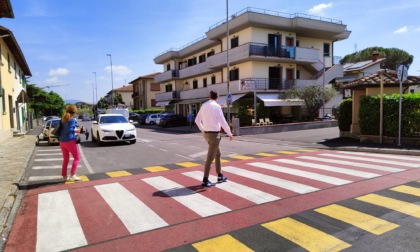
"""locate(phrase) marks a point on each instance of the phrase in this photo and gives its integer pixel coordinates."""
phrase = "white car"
(49, 127)
(113, 128)
(152, 119)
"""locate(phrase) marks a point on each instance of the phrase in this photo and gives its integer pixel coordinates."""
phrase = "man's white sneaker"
(74, 178)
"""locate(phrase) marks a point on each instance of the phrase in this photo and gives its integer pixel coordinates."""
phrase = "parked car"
(160, 117)
(151, 119)
(133, 116)
(173, 120)
(49, 127)
(86, 118)
(142, 118)
(113, 128)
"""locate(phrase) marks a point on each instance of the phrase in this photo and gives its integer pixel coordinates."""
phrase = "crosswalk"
(155, 201)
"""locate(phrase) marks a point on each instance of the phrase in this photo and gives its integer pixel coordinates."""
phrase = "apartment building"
(144, 90)
(266, 53)
(126, 92)
(13, 72)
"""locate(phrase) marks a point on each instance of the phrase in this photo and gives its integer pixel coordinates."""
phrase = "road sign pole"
(402, 73)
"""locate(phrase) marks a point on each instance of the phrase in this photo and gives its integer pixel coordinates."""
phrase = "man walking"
(209, 120)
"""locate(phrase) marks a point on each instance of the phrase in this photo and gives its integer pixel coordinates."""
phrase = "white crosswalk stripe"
(338, 169)
(355, 164)
(304, 174)
(286, 184)
(404, 157)
(136, 216)
(246, 192)
(376, 160)
(55, 211)
(198, 203)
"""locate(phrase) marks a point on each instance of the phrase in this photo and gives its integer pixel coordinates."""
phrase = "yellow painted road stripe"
(242, 157)
(407, 190)
(305, 236)
(361, 220)
(117, 174)
(155, 168)
(393, 204)
(304, 150)
(266, 154)
(188, 164)
(287, 152)
(221, 160)
(82, 179)
(221, 243)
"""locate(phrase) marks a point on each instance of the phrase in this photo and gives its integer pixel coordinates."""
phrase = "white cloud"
(52, 80)
(119, 70)
(319, 9)
(59, 71)
(417, 29)
(402, 30)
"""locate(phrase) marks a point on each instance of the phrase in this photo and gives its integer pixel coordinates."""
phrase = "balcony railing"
(271, 50)
(166, 76)
(167, 96)
(271, 83)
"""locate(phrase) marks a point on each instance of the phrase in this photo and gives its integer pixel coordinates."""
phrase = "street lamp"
(227, 61)
(112, 80)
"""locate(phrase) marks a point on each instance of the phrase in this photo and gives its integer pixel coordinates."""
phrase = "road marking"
(286, 184)
(134, 214)
(221, 243)
(393, 204)
(49, 159)
(155, 168)
(287, 152)
(188, 164)
(305, 236)
(332, 168)
(266, 154)
(42, 178)
(376, 160)
(407, 190)
(41, 167)
(403, 157)
(198, 154)
(351, 163)
(246, 192)
(241, 157)
(85, 161)
(55, 211)
(198, 203)
(184, 156)
(49, 154)
(361, 220)
(300, 173)
(116, 174)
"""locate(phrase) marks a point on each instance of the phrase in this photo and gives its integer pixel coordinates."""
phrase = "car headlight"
(131, 130)
(105, 130)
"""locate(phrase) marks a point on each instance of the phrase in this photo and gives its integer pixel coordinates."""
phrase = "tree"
(102, 103)
(118, 98)
(312, 96)
(44, 103)
(394, 57)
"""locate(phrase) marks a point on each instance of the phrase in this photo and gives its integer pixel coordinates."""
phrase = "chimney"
(375, 56)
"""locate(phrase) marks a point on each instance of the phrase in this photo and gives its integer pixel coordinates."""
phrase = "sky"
(66, 43)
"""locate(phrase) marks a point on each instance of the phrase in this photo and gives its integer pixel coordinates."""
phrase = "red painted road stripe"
(189, 232)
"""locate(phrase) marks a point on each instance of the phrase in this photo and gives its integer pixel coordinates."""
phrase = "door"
(274, 45)
(274, 78)
(289, 78)
(12, 122)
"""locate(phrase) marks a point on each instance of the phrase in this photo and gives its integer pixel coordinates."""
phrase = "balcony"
(167, 76)
(195, 70)
(167, 96)
(270, 84)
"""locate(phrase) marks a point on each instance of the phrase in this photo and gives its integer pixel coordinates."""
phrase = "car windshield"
(54, 123)
(113, 119)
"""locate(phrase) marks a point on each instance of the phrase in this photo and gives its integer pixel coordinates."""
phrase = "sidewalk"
(15, 155)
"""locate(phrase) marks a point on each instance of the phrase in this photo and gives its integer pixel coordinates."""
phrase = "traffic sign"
(402, 73)
(229, 99)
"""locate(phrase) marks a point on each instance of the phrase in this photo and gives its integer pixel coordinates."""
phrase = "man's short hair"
(213, 95)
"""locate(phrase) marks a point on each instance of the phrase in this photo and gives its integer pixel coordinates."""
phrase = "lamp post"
(323, 86)
(112, 80)
(227, 61)
(96, 88)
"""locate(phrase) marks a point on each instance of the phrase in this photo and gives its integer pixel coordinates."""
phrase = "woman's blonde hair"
(70, 111)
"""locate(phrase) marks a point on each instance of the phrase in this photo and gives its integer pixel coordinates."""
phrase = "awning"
(272, 100)
(22, 97)
(191, 101)
(222, 99)
(162, 103)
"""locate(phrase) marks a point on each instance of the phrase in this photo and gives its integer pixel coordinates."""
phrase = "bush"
(344, 115)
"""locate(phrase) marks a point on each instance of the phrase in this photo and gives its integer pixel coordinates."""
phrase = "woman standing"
(68, 144)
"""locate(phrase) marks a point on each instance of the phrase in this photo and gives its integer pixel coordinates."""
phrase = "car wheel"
(98, 139)
(133, 141)
(91, 133)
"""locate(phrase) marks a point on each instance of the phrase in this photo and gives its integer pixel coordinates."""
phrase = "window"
(192, 61)
(234, 42)
(168, 67)
(202, 58)
(8, 62)
(213, 79)
(154, 87)
(14, 68)
(153, 102)
(326, 49)
(195, 84)
(3, 101)
(297, 43)
(298, 74)
(234, 74)
(211, 53)
(205, 82)
(168, 88)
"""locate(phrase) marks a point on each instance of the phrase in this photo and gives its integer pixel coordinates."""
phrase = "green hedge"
(369, 115)
(344, 114)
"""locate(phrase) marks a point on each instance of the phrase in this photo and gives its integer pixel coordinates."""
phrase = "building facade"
(13, 98)
(126, 92)
(265, 54)
(144, 90)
